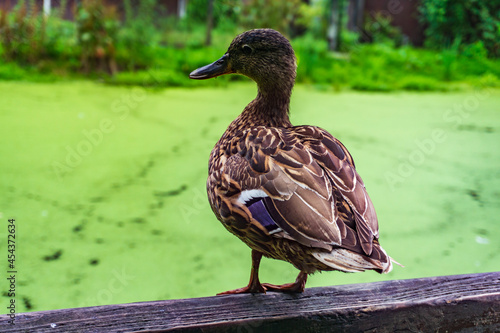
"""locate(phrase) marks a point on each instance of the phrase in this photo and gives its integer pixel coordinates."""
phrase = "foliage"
(468, 21)
(312, 59)
(23, 33)
(30, 38)
(315, 17)
(350, 40)
(60, 38)
(421, 83)
(381, 67)
(148, 78)
(97, 27)
(95, 42)
(278, 15)
(224, 11)
(12, 71)
(378, 29)
(486, 80)
(138, 37)
(144, 49)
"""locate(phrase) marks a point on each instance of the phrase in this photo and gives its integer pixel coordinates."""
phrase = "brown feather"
(293, 170)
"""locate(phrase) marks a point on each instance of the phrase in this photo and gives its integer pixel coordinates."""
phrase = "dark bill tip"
(220, 67)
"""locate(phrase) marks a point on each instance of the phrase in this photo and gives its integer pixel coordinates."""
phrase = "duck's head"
(263, 55)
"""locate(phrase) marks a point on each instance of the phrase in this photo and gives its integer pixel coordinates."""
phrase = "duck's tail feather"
(349, 261)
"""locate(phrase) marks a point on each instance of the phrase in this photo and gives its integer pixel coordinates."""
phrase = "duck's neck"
(270, 108)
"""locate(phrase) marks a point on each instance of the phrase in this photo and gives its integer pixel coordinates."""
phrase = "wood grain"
(459, 303)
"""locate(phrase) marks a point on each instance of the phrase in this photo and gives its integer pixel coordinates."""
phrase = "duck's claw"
(297, 287)
(285, 288)
(254, 289)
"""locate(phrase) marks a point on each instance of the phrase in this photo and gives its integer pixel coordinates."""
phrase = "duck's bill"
(220, 67)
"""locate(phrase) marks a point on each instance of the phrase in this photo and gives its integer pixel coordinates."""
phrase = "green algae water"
(107, 186)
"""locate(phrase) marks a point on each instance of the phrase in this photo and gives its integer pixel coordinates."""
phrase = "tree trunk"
(335, 24)
(355, 19)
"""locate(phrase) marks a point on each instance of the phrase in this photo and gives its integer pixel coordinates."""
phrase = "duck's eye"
(246, 49)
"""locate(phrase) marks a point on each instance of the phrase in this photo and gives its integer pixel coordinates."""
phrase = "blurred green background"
(105, 140)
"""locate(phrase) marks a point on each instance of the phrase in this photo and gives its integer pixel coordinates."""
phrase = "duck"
(290, 193)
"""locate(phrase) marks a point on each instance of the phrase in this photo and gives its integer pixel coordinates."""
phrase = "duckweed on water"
(107, 186)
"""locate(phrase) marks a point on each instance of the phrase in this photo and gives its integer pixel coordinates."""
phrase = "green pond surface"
(107, 187)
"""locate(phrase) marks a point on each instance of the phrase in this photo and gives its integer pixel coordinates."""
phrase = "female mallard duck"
(288, 192)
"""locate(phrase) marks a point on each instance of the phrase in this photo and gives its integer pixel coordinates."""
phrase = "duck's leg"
(296, 287)
(254, 285)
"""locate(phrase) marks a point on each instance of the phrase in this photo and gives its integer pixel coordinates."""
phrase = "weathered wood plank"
(460, 303)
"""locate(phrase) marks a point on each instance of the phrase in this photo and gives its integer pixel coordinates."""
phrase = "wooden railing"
(459, 303)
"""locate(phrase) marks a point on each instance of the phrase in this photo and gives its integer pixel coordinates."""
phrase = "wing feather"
(313, 190)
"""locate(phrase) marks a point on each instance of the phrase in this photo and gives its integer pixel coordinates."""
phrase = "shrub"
(23, 33)
(149, 78)
(278, 15)
(486, 80)
(368, 84)
(154, 56)
(138, 36)
(312, 55)
(60, 39)
(421, 83)
(12, 71)
(97, 26)
(378, 29)
(224, 12)
(466, 20)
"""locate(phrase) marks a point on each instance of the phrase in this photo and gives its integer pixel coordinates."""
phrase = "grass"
(366, 67)
(107, 186)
